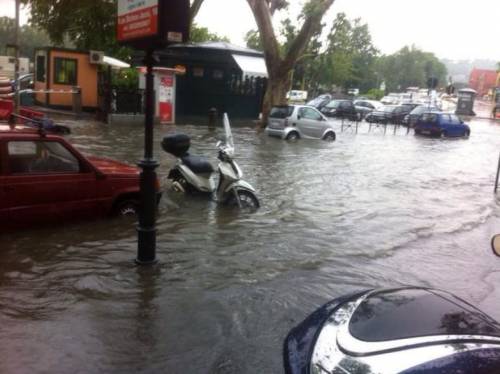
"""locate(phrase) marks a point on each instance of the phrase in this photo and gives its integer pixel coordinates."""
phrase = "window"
(455, 119)
(40, 68)
(281, 112)
(446, 118)
(198, 72)
(333, 104)
(429, 117)
(65, 71)
(218, 74)
(309, 113)
(40, 157)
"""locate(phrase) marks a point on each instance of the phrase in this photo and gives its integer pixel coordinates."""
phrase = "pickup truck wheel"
(127, 208)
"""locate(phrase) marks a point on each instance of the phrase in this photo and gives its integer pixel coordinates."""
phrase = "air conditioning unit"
(96, 57)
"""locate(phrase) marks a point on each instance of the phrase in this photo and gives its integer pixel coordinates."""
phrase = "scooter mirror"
(495, 244)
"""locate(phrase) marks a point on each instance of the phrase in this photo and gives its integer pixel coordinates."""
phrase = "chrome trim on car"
(337, 351)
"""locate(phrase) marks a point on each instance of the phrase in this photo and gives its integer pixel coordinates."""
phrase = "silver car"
(292, 122)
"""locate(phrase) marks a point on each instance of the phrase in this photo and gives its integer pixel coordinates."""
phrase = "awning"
(114, 63)
(251, 65)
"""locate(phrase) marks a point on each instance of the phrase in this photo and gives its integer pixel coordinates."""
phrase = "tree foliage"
(88, 24)
(280, 61)
(203, 34)
(411, 67)
(252, 40)
(29, 37)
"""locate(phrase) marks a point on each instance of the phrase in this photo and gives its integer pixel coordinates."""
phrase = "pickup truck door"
(50, 189)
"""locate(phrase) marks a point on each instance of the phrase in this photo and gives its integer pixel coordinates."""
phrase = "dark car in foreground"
(341, 109)
(410, 330)
(44, 179)
(437, 124)
(389, 114)
(411, 118)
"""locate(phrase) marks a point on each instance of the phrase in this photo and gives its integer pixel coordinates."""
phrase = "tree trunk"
(279, 67)
(277, 87)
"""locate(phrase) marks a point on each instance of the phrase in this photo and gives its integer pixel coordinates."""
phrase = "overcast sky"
(455, 29)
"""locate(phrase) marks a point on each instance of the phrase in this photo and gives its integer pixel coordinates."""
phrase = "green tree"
(348, 60)
(279, 62)
(252, 39)
(410, 67)
(29, 37)
(88, 24)
(203, 34)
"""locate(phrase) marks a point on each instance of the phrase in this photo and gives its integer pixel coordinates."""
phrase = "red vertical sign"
(136, 19)
(166, 97)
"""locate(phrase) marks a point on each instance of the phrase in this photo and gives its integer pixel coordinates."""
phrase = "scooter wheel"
(248, 200)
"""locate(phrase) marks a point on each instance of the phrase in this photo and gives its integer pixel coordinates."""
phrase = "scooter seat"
(197, 164)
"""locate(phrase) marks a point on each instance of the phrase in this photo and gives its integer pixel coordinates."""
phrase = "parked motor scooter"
(195, 174)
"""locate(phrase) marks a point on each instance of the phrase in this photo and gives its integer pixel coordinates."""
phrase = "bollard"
(77, 100)
(212, 117)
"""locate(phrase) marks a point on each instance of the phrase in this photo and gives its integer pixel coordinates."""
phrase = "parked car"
(341, 109)
(353, 91)
(441, 125)
(389, 114)
(320, 101)
(296, 96)
(391, 99)
(363, 107)
(292, 122)
(44, 179)
(411, 118)
(405, 330)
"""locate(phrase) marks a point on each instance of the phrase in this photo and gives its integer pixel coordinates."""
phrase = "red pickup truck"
(44, 179)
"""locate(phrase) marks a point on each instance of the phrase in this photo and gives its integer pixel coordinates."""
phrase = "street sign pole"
(149, 25)
(146, 250)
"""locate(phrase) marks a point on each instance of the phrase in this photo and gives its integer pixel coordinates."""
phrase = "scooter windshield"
(229, 143)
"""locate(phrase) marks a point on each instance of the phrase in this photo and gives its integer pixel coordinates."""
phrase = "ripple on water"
(367, 210)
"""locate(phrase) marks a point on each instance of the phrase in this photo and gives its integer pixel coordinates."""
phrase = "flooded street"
(369, 210)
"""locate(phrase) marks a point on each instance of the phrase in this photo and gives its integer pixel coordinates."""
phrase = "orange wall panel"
(86, 80)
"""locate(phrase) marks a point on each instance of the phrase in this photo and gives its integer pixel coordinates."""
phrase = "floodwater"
(370, 210)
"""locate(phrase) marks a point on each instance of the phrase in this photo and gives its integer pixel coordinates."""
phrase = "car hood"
(393, 330)
(109, 166)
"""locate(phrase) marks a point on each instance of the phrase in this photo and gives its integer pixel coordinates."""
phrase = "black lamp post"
(148, 26)
(146, 250)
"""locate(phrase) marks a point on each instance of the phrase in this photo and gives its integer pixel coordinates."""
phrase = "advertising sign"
(137, 19)
(166, 97)
(147, 24)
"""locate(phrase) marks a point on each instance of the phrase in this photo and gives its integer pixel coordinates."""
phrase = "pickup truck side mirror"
(298, 116)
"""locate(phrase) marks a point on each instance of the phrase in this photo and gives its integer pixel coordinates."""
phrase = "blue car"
(437, 124)
(410, 330)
